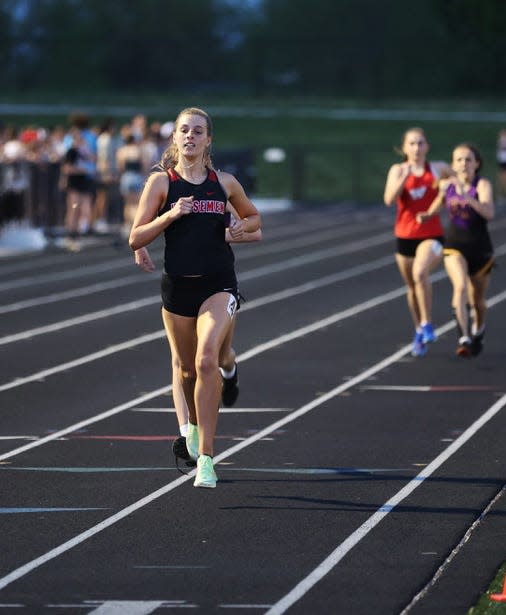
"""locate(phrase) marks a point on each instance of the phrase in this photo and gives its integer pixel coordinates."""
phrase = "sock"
(479, 331)
(183, 430)
(230, 374)
(459, 328)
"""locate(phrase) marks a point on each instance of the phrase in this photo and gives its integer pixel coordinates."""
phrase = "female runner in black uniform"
(468, 251)
(228, 365)
(187, 202)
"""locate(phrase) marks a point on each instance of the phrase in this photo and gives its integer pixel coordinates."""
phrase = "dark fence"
(30, 191)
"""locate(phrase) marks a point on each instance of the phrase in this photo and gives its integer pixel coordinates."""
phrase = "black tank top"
(467, 227)
(195, 243)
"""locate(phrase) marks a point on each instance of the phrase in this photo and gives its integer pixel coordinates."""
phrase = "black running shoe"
(230, 391)
(476, 344)
(464, 347)
(181, 452)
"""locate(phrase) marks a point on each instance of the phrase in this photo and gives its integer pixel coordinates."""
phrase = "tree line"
(339, 48)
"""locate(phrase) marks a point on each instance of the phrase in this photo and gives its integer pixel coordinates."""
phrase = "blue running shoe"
(429, 335)
(419, 348)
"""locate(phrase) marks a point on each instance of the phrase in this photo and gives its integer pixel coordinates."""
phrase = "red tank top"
(417, 196)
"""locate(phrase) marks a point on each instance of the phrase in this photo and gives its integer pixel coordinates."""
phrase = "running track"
(354, 479)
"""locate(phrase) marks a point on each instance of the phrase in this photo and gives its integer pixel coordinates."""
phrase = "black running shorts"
(407, 247)
(477, 263)
(183, 295)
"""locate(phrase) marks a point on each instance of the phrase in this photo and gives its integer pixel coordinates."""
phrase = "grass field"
(336, 150)
(487, 606)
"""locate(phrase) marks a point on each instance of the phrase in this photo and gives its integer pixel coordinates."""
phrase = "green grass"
(486, 606)
(343, 159)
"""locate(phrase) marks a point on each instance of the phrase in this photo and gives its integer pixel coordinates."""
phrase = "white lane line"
(81, 424)
(305, 241)
(278, 296)
(124, 281)
(244, 606)
(431, 388)
(338, 553)
(317, 255)
(248, 275)
(125, 262)
(122, 607)
(78, 320)
(38, 376)
(242, 357)
(273, 343)
(327, 280)
(413, 388)
(353, 539)
(222, 410)
(128, 607)
(444, 566)
(82, 291)
(64, 275)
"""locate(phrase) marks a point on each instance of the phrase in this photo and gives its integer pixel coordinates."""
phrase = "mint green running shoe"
(206, 476)
(192, 441)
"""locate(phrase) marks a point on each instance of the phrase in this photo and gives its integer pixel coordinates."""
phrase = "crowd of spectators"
(73, 177)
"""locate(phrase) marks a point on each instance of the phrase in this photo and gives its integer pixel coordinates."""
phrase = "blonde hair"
(170, 156)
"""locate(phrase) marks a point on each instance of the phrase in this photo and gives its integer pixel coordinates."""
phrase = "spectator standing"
(108, 142)
(79, 189)
(14, 178)
(132, 173)
(84, 140)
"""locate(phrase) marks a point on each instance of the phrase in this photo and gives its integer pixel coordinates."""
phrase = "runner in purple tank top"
(468, 251)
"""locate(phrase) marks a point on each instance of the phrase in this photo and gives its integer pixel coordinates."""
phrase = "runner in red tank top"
(412, 185)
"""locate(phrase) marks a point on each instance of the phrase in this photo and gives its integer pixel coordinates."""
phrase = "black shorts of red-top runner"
(407, 247)
(184, 295)
(478, 261)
